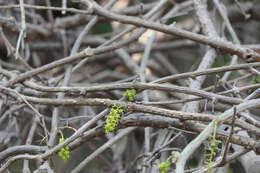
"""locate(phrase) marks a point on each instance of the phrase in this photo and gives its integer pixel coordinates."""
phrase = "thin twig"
(222, 162)
(22, 34)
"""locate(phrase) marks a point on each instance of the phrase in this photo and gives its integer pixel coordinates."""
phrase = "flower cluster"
(130, 93)
(113, 118)
(64, 153)
(212, 147)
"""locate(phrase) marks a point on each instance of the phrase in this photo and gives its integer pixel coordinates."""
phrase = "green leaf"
(130, 93)
(256, 79)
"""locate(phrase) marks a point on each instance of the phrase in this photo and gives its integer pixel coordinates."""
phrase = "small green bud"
(88, 51)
